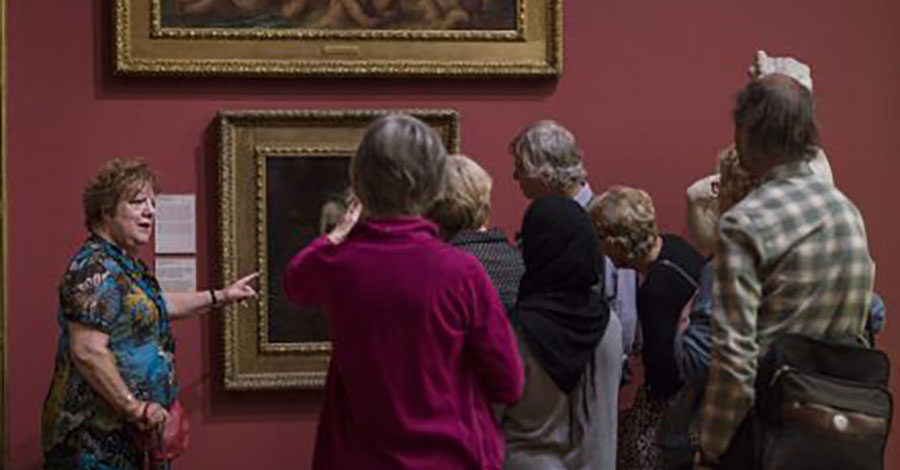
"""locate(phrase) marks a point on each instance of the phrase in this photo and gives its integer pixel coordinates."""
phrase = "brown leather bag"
(820, 405)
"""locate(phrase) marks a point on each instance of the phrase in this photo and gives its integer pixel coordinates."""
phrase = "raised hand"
(348, 220)
(764, 65)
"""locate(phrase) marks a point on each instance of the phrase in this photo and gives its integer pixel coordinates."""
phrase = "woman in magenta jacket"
(421, 343)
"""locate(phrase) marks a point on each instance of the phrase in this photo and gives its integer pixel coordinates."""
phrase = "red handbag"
(170, 440)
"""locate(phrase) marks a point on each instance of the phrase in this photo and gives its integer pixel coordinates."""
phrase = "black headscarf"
(563, 317)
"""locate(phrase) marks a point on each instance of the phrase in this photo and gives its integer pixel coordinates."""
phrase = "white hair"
(549, 152)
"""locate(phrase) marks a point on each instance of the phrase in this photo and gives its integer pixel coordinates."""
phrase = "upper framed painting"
(283, 177)
(441, 38)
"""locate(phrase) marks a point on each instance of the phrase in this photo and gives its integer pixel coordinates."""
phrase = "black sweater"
(660, 299)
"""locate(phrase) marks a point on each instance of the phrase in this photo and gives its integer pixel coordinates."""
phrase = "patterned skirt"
(637, 447)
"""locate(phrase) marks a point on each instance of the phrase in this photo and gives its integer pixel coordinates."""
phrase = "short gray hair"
(399, 166)
(550, 153)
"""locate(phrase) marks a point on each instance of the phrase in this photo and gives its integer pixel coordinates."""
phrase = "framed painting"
(283, 177)
(456, 38)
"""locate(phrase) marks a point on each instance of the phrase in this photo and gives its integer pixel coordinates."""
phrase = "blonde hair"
(466, 200)
(399, 166)
(625, 220)
(734, 181)
(116, 180)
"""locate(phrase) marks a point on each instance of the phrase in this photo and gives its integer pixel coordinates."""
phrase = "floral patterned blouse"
(107, 289)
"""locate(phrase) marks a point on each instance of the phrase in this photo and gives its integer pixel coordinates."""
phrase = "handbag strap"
(687, 277)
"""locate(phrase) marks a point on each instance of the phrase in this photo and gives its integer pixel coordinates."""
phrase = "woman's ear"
(107, 214)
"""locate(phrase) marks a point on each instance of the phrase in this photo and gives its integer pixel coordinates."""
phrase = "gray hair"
(399, 166)
(777, 117)
(549, 152)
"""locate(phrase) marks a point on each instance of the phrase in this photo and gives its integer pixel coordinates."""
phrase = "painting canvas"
(283, 181)
(398, 15)
(299, 189)
(457, 38)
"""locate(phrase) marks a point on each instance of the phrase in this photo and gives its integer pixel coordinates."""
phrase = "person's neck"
(572, 190)
(106, 234)
(644, 265)
(763, 164)
(390, 215)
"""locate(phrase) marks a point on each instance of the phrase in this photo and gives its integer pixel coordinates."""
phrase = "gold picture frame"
(152, 40)
(276, 170)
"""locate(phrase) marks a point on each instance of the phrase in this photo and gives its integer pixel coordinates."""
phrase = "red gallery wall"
(648, 87)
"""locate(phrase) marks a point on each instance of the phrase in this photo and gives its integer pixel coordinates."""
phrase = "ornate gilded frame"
(145, 47)
(247, 140)
(4, 441)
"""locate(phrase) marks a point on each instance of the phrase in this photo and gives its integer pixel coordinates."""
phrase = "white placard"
(177, 274)
(176, 224)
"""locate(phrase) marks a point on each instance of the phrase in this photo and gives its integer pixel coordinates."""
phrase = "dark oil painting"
(305, 196)
(440, 15)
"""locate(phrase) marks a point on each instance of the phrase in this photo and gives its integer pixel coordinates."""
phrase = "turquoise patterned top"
(107, 289)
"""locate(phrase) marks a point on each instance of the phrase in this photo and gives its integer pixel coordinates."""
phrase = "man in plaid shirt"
(792, 256)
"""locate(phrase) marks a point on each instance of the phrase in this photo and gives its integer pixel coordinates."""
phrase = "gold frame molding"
(247, 139)
(145, 47)
(262, 154)
(4, 438)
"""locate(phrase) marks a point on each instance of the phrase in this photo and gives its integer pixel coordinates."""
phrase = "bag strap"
(687, 277)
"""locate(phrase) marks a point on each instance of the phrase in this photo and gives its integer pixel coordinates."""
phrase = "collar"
(788, 170)
(584, 195)
(469, 237)
(392, 226)
(132, 264)
(139, 273)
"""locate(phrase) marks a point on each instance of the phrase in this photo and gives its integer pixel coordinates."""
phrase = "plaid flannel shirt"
(792, 258)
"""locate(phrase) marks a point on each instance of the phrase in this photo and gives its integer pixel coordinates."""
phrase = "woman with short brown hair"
(114, 378)
(669, 270)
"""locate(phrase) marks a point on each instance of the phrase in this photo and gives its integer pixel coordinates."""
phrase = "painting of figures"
(342, 14)
(340, 38)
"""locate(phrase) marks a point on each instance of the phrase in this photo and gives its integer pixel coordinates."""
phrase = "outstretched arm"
(183, 305)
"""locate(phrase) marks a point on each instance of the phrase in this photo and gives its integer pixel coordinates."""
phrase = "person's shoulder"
(91, 269)
(807, 196)
(453, 264)
(453, 256)
(498, 247)
(758, 210)
(677, 243)
(91, 257)
(836, 199)
(685, 252)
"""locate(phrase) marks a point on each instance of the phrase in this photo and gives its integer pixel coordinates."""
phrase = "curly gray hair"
(549, 152)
